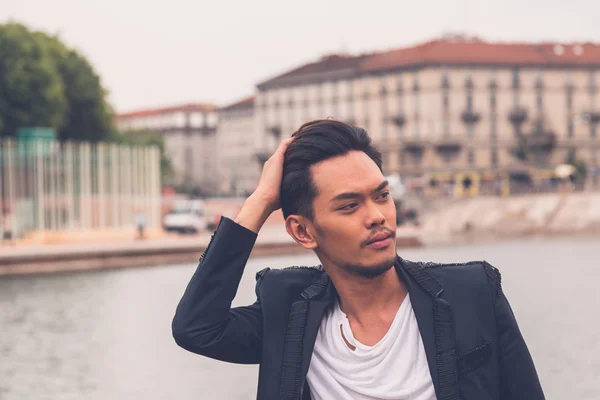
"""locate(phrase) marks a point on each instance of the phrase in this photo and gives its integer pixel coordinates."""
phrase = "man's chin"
(371, 271)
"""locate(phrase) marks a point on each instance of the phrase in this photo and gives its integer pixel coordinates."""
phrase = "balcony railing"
(414, 146)
(593, 117)
(399, 120)
(470, 117)
(517, 116)
(447, 145)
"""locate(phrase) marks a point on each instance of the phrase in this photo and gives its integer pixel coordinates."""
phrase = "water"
(106, 335)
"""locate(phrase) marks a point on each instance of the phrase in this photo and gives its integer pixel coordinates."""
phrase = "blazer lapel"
(434, 317)
(433, 314)
(301, 333)
(319, 302)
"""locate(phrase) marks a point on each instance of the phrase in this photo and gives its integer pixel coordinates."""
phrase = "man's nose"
(375, 216)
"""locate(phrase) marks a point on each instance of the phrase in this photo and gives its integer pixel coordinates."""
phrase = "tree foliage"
(45, 83)
(31, 90)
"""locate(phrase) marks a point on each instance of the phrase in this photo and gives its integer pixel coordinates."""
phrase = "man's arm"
(204, 322)
(518, 377)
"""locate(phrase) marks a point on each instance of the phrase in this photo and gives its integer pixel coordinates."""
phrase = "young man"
(366, 324)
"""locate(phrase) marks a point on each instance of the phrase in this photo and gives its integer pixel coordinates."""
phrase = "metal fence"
(47, 185)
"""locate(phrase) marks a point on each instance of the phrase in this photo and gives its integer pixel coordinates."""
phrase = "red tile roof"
(246, 102)
(478, 52)
(165, 110)
(451, 50)
(576, 54)
(329, 63)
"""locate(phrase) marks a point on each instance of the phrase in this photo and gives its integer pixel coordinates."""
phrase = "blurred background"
(127, 129)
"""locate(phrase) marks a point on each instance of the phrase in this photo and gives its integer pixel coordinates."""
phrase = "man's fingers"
(284, 144)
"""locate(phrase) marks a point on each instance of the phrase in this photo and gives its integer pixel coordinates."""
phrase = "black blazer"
(474, 348)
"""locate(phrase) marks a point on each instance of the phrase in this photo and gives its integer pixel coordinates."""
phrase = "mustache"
(365, 242)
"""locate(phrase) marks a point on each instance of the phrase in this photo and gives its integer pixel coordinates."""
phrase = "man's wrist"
(254, 213)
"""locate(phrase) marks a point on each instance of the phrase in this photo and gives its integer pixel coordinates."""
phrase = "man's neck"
(362, 299)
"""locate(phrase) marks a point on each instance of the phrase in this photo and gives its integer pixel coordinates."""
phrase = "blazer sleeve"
(204, 322)
(518, 376)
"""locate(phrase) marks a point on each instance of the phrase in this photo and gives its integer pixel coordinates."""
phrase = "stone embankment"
(540, 214)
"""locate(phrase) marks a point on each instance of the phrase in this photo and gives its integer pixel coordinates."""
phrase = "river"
(106, 335)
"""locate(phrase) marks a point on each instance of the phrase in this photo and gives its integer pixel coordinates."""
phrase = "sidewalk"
(35, 259)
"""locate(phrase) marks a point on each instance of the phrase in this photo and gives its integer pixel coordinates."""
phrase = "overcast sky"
(153, 53)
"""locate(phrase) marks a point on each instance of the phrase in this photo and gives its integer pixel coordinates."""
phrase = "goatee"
(370, 271)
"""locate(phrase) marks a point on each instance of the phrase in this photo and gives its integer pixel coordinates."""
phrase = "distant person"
(366, 324)
(140, 221)
(7, 235)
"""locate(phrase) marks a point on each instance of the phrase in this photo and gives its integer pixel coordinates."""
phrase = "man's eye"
(348, 207)
(384, 195)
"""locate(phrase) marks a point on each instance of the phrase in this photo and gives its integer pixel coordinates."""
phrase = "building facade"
(238, 169)
(450, 105)
(189, 133)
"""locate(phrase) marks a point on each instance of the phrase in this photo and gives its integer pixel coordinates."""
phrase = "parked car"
(187, 217)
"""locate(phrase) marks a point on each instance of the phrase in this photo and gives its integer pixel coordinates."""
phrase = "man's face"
(352, 210)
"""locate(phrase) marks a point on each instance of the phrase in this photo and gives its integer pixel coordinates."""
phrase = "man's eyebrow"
(355, 195)
(383, 185)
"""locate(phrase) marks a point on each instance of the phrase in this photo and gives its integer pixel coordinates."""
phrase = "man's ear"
(301, 230)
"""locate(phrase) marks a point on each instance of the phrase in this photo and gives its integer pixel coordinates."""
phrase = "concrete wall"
(544, 214)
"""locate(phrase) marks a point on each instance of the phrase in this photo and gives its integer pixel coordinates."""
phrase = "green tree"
(88, 116)
(45, 83)
(32, 92)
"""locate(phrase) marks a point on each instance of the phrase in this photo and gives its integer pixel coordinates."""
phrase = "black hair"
(317, 141)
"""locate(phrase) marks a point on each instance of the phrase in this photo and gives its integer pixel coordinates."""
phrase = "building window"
(516, 85)
(417, 123)
(189, 159)
(470, 131)
(417, 158)
(539, 88)
(493, 85)
(470, 101)
(446, 112)
(469, 80)
(447, 157)
(494, 157)
(416, 87)
(445, 79)
(569, 79)
(383, 91)
(494, 128)
(471, 157)
(400, 87)
(592, 83)
(493, 101)
(539, 81)
(570, 127)
(516, 81)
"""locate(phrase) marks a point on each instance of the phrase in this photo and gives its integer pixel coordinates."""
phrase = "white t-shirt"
(393, 369)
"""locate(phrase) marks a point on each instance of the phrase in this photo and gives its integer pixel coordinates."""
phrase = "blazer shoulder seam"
(430, 264)
(304, 267)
